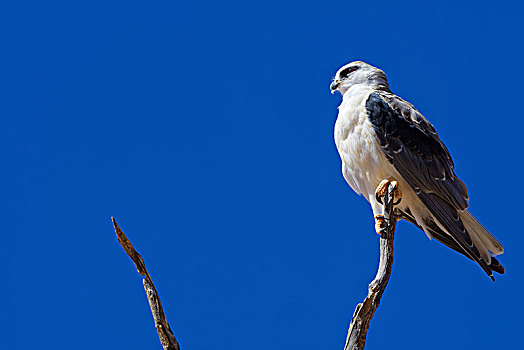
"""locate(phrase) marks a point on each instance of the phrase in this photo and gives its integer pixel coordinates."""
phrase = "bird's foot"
(380, 224)
(382, 189)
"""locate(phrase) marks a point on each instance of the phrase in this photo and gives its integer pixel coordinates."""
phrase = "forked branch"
(364, 311)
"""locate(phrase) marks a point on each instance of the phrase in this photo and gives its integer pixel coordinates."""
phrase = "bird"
(382, 138)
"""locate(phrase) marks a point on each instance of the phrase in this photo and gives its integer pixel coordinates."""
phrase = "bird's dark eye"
(346, 71)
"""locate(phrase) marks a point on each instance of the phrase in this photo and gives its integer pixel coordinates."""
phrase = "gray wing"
(426, 162)
(413, 147)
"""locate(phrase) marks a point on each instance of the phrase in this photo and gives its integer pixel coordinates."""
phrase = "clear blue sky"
(206, 129)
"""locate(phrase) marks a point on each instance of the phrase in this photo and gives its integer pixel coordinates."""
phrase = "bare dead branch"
(167, 338)
(364, 311)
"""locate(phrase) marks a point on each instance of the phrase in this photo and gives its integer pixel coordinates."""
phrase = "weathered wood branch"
(364, 311)
(167, 338)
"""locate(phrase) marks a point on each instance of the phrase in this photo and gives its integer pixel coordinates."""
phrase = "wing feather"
(412, 145)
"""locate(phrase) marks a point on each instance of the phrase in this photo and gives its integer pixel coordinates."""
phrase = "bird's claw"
(378, 198)
(382, 189)
(380, 224)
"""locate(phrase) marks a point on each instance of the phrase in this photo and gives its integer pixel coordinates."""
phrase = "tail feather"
(496, 266)
(476, 228)
(479, 244)
(431, 228)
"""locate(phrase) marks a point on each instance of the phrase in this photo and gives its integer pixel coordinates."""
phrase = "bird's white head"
(359, 73)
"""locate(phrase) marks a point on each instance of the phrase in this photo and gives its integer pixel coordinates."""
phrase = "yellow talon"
(380, 224)
(382, 189)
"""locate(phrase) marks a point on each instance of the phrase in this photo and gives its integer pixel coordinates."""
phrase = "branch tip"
(165, 334)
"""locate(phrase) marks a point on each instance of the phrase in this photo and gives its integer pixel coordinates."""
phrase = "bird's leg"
(380, 194)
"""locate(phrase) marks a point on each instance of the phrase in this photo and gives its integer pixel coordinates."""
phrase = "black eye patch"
(346, 71)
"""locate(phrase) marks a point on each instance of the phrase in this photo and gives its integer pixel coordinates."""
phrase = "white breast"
(364, 165)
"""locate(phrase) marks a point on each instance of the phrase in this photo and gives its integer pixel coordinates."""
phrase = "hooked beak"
(334, 86)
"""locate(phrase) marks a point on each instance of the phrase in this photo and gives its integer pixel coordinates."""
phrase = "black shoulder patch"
(395, 132)
(417, 154)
